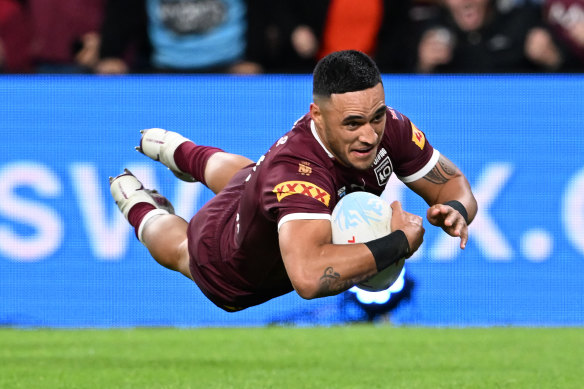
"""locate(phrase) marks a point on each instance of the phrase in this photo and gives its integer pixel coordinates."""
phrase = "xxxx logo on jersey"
(305, 188)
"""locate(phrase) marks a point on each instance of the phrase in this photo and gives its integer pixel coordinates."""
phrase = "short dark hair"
(344, 71)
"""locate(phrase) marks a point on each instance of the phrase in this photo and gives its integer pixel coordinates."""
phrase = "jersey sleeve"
(413, 155)
(297, 189)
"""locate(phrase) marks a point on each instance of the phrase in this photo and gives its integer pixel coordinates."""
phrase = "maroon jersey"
(233, 239)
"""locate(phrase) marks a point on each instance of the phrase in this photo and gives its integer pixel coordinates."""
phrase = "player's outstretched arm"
(318, 268)
(452, 203)
(315, 266)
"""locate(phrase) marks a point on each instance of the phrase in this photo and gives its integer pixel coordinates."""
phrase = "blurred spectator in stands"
(476, 36)
(282, 36)
(65, 34)
(292, 35)
(172, 36)
(14, 38)
(566, 19)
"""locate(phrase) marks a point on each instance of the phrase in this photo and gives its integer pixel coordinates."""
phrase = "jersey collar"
(315, 134)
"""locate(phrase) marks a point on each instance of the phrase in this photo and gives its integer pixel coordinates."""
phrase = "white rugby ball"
(360, 217)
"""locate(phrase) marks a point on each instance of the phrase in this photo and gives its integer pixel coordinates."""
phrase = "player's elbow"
(306, 287)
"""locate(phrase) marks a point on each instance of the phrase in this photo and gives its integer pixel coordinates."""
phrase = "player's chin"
(361, 166)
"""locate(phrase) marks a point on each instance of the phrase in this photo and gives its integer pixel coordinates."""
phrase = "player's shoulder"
(395, 117)
(401, 133)
(397, 125)
(300, 144)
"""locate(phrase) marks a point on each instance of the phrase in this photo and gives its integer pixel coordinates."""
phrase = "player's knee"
(175, 257)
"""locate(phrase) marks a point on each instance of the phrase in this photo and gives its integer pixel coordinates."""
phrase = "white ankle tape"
(147, 217)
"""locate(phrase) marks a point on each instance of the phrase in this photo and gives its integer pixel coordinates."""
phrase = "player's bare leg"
(221, 167)
(163, 233)
(189, 162)
(165, 237)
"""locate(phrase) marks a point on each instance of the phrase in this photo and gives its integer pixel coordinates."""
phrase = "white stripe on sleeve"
(423, 171)
(303, 216)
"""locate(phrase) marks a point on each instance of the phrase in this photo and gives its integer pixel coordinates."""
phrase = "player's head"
(349, 107)
(344, 71)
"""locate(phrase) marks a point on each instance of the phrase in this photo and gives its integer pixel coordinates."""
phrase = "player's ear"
(316, 114)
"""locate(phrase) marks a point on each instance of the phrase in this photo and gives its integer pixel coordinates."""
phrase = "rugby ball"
(360, 217)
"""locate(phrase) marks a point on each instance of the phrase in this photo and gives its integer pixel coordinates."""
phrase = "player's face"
(351, 125)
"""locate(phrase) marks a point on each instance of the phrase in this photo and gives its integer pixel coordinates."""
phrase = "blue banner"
(69, 259)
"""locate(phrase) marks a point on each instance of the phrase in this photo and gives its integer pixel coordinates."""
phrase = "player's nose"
(368, 134)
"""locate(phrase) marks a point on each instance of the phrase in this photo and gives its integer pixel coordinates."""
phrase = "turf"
(362, 356)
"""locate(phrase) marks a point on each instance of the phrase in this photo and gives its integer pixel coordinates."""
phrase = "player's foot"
(128, 191)
(160, 145)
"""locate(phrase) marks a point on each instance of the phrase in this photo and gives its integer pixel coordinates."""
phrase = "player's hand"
(450, 220)
(410, 224)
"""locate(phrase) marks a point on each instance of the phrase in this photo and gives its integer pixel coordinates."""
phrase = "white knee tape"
(147, 217)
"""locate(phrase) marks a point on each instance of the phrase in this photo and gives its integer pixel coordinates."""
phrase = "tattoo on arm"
(330, 282)
(442, 172)
(435, 176)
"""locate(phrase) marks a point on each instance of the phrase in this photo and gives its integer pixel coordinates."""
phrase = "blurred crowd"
(289, 36)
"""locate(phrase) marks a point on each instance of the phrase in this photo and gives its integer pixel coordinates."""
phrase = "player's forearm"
(330, 269)
(445, 182)
(344, 267)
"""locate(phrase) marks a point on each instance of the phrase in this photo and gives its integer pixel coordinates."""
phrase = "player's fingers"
(434, 215)
(435, 210)
(414, 220)
(446, 210)
(451, 218)
(417, 220)
(396, 206)
(463, 237)
(442, 211)
(458, 226)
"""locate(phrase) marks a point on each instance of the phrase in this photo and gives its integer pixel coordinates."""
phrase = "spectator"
(283, 35)
(299, 33)
(566, 19)
(475, 36)
(65, 34)
(172, 36)
(14, 38)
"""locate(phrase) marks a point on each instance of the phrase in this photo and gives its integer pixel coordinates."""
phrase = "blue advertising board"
(69, 259)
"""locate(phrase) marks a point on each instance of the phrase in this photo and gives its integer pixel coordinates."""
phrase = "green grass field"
(362, 356)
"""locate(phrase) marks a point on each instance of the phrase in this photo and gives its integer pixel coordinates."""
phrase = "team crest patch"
(418, 137)
(383, 171)
(304, 168)
(305, 188)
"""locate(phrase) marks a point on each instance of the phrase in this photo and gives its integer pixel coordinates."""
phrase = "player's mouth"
(364, 152)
